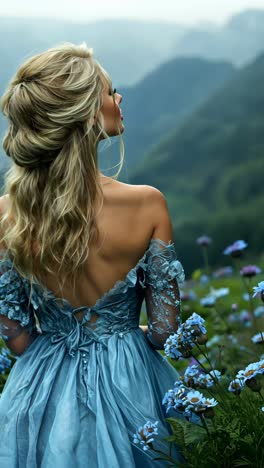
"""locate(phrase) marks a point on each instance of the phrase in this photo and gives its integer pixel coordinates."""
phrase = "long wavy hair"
(54, 181)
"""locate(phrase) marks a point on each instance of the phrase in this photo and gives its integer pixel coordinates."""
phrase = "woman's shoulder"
(147, 191)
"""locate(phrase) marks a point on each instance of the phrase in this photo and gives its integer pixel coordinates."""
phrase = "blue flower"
(259, 311)
(220, 292)
(204, 279)
(259, 290)
(195, 320)
(181, 343)
(258, 338)
(235, 249)
(174, 398)
(208, 301)
(144, 434)
(245, 317)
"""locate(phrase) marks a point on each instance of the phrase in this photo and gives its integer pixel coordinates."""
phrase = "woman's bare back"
(124, 236)
(125, 230)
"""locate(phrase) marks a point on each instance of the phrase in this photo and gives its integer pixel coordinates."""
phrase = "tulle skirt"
(76, 412)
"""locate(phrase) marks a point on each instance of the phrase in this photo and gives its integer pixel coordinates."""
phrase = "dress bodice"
(157, 273)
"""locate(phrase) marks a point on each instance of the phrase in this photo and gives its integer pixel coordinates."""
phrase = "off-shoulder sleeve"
(17, 321)
(163, 275)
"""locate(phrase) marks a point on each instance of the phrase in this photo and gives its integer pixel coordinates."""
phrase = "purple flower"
(234, 307)
(250, 270)
(204, 241)
(235, 249)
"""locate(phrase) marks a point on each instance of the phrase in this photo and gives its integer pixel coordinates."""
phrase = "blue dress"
(79, 391)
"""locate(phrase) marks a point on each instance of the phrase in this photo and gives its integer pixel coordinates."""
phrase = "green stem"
(208, 360)
(261, 396)
(207, 389)
(205, 257)
(214, 378)
(204, 424)
(167, 457)
(251, 302)
(219, 316)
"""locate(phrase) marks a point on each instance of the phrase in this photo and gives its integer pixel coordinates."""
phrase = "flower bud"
(202, 339)
(253, 384)
(209, 413)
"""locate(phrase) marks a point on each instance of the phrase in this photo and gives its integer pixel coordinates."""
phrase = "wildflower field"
(218, 351)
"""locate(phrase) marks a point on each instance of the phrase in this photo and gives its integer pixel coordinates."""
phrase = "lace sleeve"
(17, 321)
(163, 275)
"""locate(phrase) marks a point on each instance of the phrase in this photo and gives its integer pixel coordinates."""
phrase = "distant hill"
(211, 168)
(239, 40)
(164, 98)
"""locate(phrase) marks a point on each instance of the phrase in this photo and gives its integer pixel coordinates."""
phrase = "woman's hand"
(144, 328)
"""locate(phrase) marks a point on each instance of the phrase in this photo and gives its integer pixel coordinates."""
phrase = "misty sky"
(181, 11)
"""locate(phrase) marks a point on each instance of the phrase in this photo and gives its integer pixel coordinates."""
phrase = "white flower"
(259, 289)
(217, 293)
(236, 385)
(216, 374)
(249, 372)
(258, 338)
(209, 402)
(193, 398)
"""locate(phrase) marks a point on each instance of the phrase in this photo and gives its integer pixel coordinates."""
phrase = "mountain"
(164, 98)
(239, 40)
(211, 168)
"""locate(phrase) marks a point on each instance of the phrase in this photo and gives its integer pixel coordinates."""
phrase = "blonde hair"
(54, 181)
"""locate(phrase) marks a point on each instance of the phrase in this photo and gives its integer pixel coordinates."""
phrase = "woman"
(80, 253)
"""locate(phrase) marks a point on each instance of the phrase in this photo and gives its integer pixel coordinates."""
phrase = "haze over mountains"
(238, 41)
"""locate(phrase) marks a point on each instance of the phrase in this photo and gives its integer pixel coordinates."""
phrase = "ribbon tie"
(76, 338)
